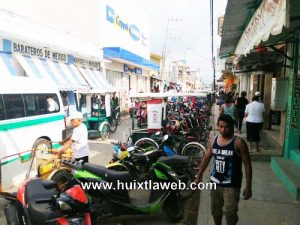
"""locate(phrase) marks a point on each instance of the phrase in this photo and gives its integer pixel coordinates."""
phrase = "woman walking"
(254, 122)
(228, 108)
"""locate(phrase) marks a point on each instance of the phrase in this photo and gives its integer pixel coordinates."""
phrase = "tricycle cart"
(98, 117)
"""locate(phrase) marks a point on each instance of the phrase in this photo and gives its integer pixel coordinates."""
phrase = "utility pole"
(164, 51)
(212, 44)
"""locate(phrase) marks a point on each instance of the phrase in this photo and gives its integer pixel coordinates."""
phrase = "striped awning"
(66, 76)
(96, 80)
(6, 65)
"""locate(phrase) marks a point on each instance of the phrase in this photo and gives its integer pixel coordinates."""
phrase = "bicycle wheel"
(104, 130)
(195, 151)
(113, 125)
(146, 144)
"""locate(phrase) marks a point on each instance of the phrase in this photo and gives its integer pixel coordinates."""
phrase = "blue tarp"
(117, 52)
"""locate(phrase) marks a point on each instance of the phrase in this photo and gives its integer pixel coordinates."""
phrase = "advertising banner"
(154, 112)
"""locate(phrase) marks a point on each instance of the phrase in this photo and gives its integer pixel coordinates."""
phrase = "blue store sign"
(132, 69)
(132, 29)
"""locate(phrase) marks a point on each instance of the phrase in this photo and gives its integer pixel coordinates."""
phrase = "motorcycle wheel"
(113, 125)
(195, 151)
(146, 144)
(187, 177)
(174, 207)
(62, 178)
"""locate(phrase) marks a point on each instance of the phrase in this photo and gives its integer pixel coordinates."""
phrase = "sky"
(189, 33)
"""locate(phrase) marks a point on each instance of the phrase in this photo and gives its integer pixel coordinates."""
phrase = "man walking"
(228, 153)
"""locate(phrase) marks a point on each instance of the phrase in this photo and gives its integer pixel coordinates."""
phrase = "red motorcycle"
(39, 202)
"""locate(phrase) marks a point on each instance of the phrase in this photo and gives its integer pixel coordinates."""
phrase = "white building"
(125, 38)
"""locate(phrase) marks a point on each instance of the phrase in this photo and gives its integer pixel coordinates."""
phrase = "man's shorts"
(227, 197)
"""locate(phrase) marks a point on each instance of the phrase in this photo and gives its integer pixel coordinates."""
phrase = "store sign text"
(132, 29)
(44, 53)
(87, 63)
(268, 19)
(132, 69)
(295, 107)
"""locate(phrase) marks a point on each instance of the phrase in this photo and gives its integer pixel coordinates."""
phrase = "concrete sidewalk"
(270, 204)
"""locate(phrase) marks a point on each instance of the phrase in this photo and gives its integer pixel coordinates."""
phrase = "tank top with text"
(227, 164)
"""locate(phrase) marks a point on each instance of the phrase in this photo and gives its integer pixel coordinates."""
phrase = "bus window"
(30, 104)
(44, 105)
(14, 106)
(2, 111)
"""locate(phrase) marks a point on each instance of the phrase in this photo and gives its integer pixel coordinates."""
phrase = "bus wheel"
(41, 144)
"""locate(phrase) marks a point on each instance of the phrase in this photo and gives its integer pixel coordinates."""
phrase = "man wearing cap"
(79, 139)
(257, 94)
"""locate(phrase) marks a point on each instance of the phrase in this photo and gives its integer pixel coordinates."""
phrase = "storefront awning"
(120, 53)
(236, 18)
(64, 75)
(6, 66)
(240, 23)
(96, 80)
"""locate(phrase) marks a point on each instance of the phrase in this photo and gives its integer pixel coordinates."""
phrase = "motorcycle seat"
(176, 160)
(109, 175)
(35, 191)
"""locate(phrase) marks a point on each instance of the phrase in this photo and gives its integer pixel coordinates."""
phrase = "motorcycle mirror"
(130, 148)
(165, 137)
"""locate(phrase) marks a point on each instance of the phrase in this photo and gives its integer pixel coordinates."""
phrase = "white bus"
(31, 116)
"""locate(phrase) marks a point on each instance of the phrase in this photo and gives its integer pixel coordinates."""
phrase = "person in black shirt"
(228, 152)
(240, 106)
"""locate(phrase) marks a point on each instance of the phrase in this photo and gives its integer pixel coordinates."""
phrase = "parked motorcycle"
(114, 201)
(39, 202)
(174, 145)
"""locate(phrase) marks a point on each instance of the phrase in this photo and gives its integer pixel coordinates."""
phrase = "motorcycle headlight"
(64, 206)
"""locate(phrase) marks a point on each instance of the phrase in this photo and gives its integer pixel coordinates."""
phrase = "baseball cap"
(257, 94)
(75, 115)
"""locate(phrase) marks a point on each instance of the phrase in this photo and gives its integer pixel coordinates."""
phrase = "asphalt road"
(101, 153)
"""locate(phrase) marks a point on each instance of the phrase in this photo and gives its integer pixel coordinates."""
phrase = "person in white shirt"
(79, 139)
(254, 121)
(52, 104)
